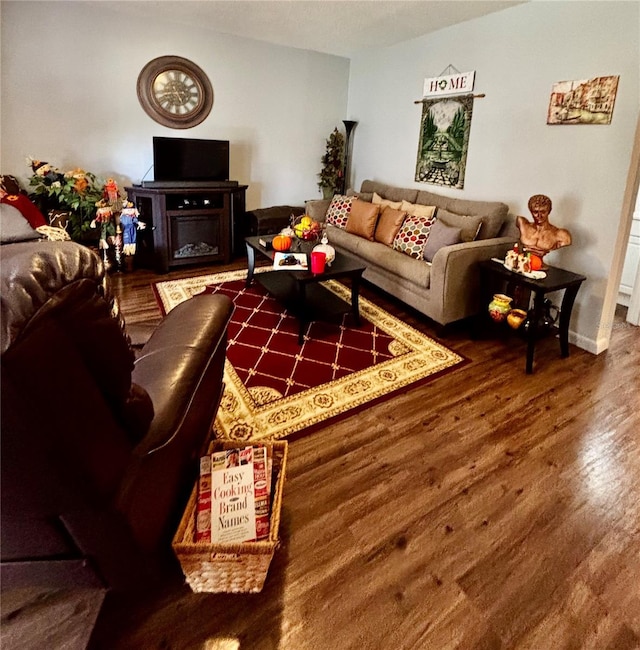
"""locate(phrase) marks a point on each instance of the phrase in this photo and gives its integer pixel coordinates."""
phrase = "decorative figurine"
(540, 237)
(130, 225)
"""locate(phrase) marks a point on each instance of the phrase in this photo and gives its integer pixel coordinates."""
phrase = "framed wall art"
(444, 140)
(587, 101)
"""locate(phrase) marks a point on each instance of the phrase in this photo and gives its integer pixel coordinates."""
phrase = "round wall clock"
(175, 92)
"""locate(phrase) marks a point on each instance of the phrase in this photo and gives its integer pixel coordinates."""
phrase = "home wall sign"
(459, 83)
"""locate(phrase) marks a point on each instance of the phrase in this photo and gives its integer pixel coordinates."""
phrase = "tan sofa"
(446, 289)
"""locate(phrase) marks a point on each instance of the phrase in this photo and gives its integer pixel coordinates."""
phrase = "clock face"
(175, 92)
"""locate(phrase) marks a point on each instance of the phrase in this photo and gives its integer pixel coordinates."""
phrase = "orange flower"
(80, 185)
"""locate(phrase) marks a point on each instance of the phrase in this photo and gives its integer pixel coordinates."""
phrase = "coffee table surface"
(342, 265)
(302, 291)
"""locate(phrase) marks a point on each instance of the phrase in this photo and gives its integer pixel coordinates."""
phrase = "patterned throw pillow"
(413, 235)
(338, 210)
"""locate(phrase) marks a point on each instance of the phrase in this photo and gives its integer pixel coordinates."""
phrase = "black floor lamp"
(349, 125)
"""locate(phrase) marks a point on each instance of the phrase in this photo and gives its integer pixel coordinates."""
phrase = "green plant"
(332, 171)
(76, 192)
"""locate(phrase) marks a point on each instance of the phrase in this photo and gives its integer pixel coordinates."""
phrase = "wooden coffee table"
(301, 292)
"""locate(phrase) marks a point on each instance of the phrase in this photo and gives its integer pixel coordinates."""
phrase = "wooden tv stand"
(187, 224)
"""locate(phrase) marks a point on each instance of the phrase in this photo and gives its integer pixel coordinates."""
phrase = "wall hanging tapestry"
(275, 387)
(444, 140)
(588, 101)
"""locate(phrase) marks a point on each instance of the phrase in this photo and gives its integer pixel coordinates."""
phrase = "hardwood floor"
(487, 509)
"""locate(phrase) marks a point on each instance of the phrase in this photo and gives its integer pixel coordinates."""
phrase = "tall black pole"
(349, 125)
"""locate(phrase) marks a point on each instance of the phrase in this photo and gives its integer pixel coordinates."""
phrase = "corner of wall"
(595, 346)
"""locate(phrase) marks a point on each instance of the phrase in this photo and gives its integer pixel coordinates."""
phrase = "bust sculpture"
(540, 237)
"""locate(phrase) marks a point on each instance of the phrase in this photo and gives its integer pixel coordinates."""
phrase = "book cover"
(233, 516)
(290, 262)
(261, 492)
(203, 504)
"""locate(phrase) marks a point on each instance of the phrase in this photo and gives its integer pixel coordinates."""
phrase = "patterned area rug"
(276, 387)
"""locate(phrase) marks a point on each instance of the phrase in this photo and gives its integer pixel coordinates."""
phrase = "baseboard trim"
(590, 345)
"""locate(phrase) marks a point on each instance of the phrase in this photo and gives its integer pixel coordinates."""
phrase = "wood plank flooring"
(488, 509)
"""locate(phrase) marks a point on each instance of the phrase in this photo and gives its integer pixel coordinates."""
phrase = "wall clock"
(175, 92)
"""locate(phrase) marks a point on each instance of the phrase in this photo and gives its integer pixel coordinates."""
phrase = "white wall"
(69, 72)
(518, 54)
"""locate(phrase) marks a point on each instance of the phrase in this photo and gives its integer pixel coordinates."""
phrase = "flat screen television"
(188, 159)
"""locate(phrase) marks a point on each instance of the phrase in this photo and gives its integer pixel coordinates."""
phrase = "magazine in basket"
(234, 492)
(233, 567)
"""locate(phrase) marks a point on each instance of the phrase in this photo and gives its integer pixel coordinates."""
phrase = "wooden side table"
(493, 275)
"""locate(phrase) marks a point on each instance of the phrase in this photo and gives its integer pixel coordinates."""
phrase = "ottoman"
(269, 221)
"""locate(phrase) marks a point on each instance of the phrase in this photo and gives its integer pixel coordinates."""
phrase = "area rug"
(275, 387)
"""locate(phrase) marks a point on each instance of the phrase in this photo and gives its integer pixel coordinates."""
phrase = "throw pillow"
(413, 235)
(13, 226)
(388, 226)
(469, 225)
(338, 210)
(363, 219)
(417, 210)
(10, 184)
(378, 200)
(27, 208)
(441, 235)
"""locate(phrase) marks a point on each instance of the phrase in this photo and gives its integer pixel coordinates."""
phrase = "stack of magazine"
(234, 495)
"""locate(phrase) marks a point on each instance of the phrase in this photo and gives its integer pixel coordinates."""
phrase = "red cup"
(318, 260)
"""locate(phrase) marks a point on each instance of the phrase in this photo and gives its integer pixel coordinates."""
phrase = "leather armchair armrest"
(181, 367)
(172, 363)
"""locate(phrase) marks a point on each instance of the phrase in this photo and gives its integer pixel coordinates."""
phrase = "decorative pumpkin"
(281, 243)
(535, 262)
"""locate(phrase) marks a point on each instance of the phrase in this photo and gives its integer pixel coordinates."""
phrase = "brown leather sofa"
(99, 446)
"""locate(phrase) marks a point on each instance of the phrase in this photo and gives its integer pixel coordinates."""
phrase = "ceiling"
(339, 27)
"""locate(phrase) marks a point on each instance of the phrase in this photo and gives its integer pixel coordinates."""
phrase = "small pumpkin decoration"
(535, 262)
(281, 243)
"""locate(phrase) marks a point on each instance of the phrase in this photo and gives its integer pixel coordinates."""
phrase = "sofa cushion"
(13, 226)
(430, 198)
(418, 210)
(389, 192)
(412, 236)
(440, 235)
(493, 214)
(470, 226)
(388, 225)
(338, 210)
(363, 218)
(378, 200)
(381, 256)
(365, 196)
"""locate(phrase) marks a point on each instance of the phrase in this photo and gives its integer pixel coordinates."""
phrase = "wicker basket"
(230, 568)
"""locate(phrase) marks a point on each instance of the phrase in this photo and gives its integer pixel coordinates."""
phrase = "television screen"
(184, 159)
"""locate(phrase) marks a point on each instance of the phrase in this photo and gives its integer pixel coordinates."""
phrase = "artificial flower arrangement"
(75, 192)
(89, 204)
